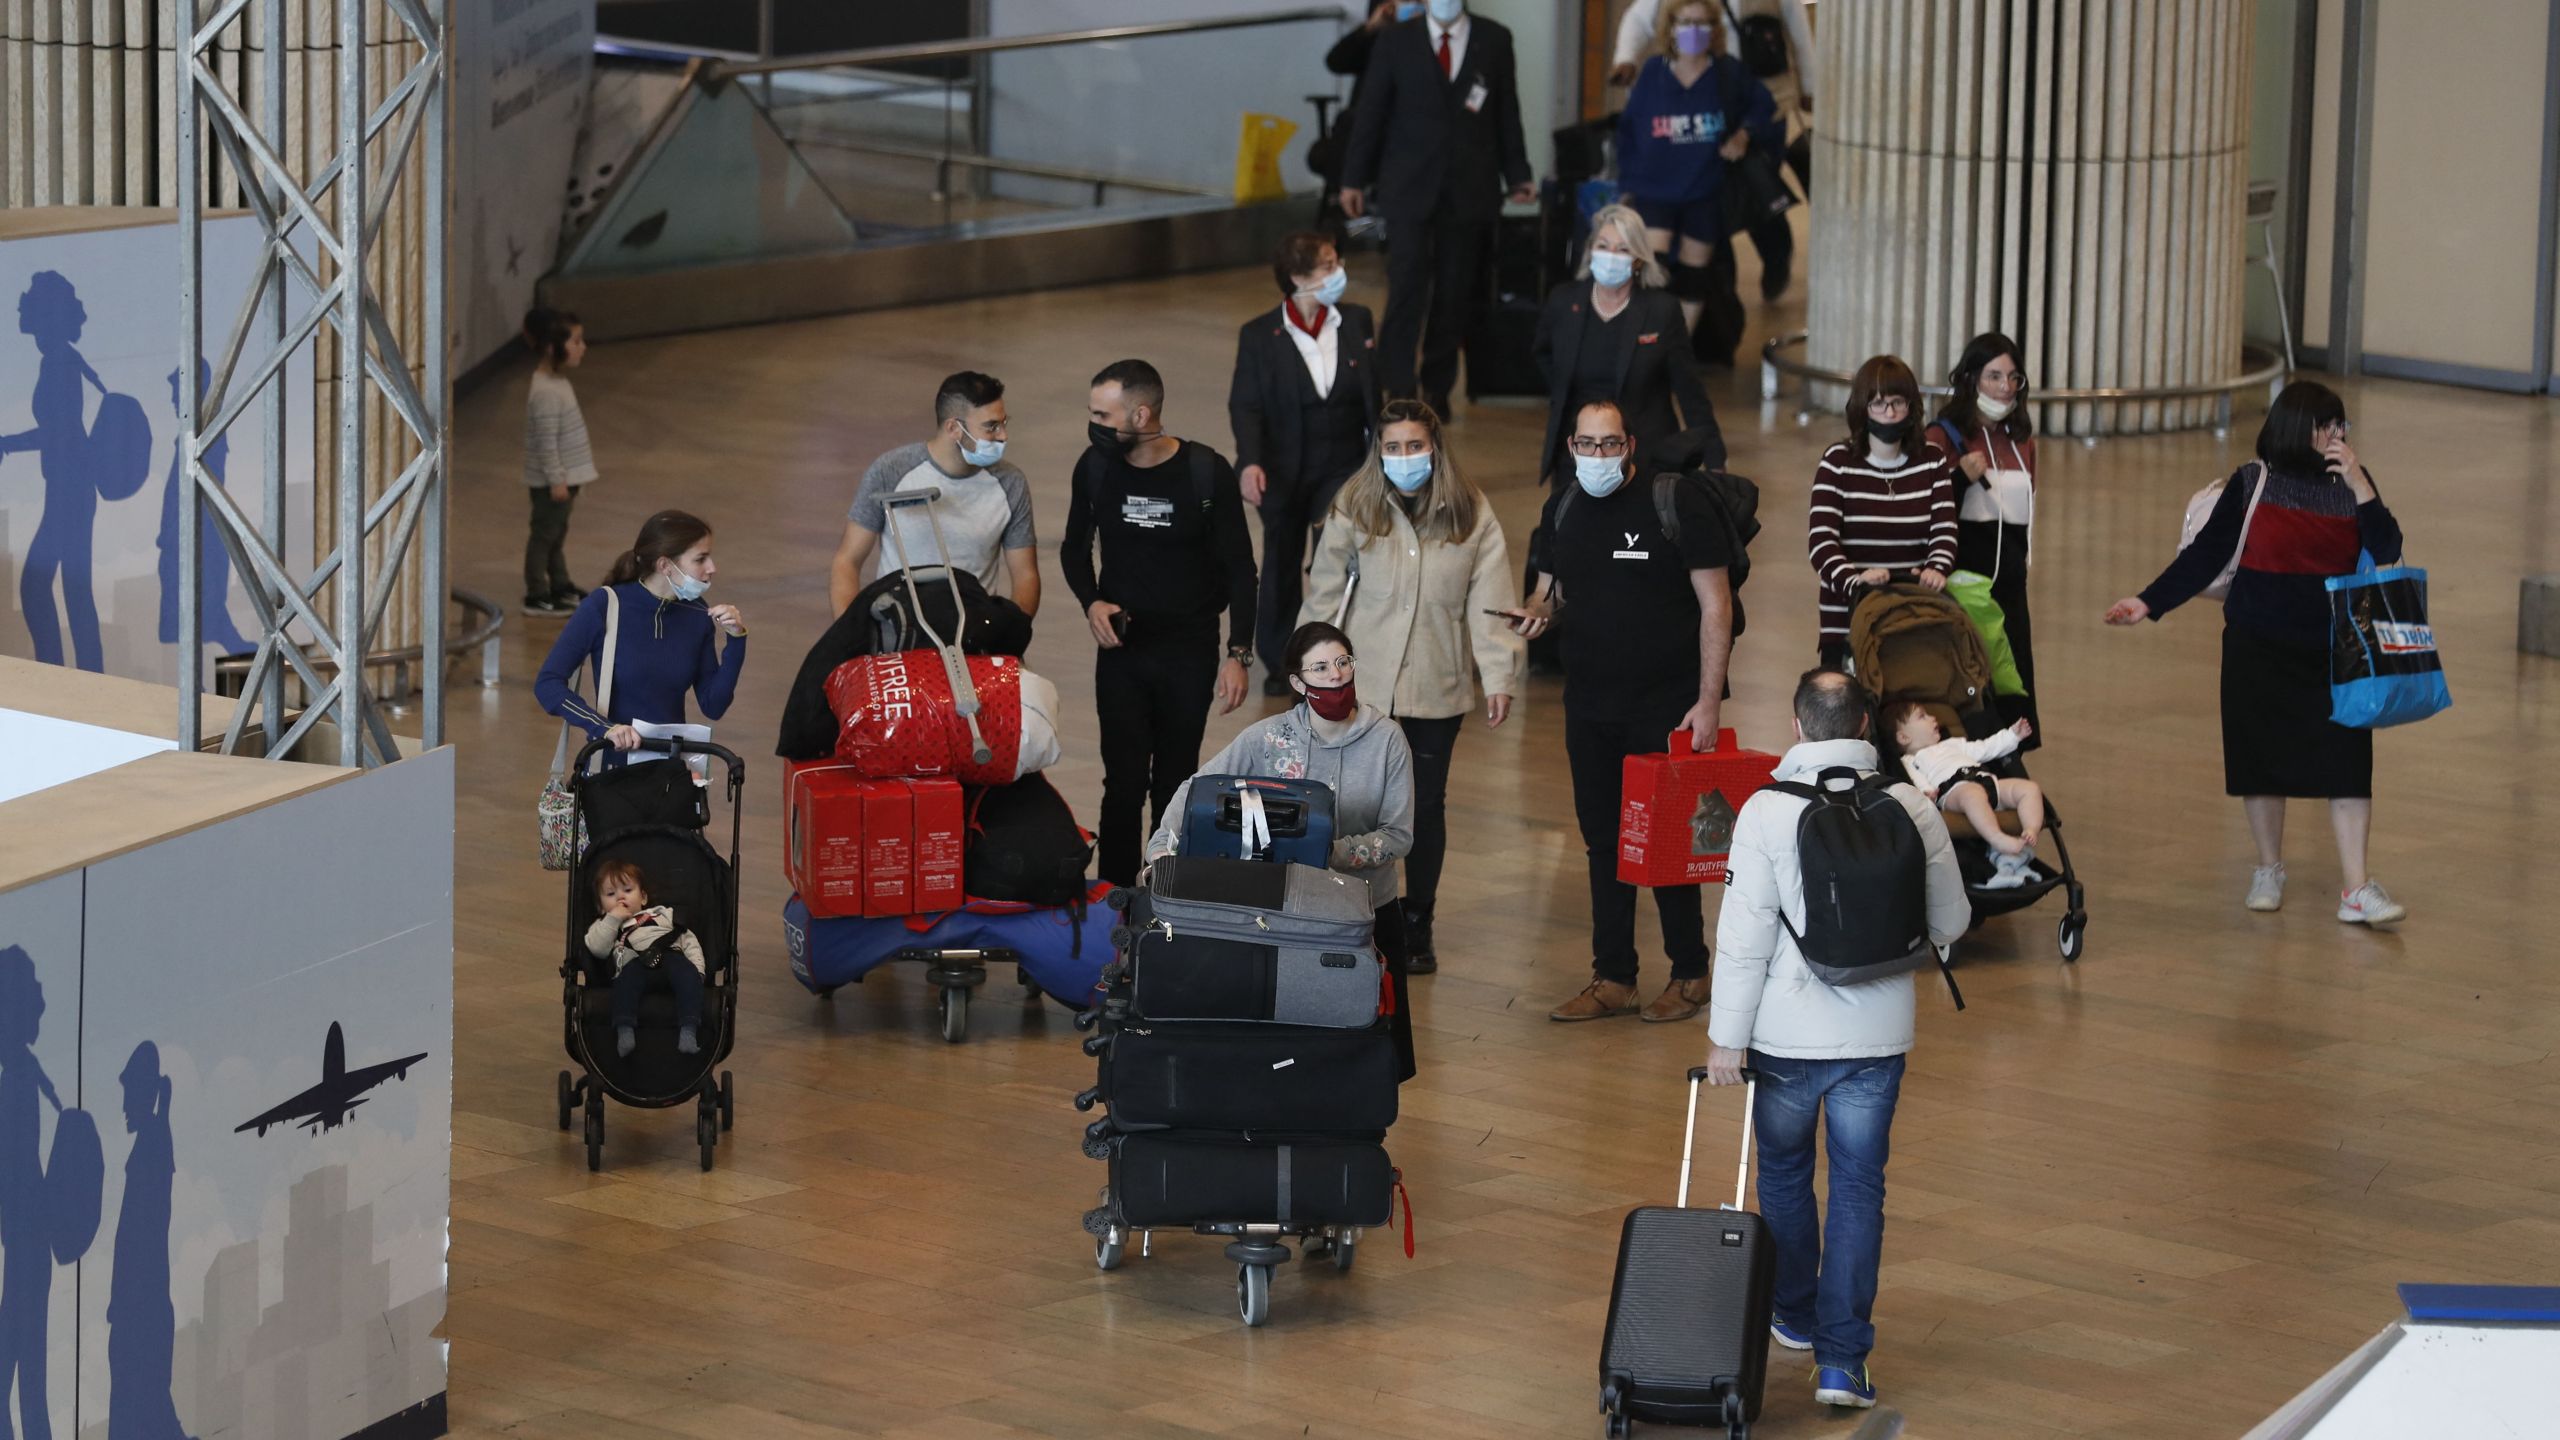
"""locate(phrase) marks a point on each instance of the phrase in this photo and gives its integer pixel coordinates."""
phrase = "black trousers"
(1435, 269)
(546, 561)
(1287, 516)
(1999, 550)
(1432, 742)
(1152, 696)
(1595, 748)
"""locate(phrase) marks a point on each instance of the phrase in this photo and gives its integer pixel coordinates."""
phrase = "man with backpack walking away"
(1842, 886)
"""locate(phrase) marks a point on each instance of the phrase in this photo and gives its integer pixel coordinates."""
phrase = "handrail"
(956, 49)
(2269, 370)
(492, 619)
(945, 159)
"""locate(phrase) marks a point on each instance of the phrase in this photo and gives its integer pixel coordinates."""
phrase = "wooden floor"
(2149, 1196)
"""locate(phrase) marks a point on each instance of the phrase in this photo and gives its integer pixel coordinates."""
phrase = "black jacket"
(1415, 141)
(1271, 386)
(1654, 370)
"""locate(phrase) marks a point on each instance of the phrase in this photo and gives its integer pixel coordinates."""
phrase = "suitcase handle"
(1681, 744)
(1689, 1137)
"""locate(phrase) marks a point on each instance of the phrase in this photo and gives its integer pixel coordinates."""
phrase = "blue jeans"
(1826, 1284)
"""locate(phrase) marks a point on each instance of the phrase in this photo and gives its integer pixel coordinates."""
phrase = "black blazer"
(1265, 400)
(1654, 371)
(1413, 137)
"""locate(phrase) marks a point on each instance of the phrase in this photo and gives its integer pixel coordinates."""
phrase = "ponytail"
(663, 536)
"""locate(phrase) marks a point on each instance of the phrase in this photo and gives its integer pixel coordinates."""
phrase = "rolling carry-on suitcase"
(1262, 1078)
(1688, 1337)
(1247, 817)
(1243, 940)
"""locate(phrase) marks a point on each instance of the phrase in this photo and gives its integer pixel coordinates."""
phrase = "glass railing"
(752, 159)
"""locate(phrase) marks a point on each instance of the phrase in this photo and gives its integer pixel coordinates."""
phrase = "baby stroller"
(654, 816)
(1912, 644)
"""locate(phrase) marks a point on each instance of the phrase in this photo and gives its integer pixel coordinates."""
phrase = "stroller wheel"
(2069, 932)
(728, 1101)
(706, 1129)
(955, 1013)
(568, 1093)
(595, 1133)
(1253, 1294)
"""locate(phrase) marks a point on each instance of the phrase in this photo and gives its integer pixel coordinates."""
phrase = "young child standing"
(1950, 772)
(636, 935)
(557, 459)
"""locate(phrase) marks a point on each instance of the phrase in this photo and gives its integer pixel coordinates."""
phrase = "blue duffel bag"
(1060, 948)
(1252, 817)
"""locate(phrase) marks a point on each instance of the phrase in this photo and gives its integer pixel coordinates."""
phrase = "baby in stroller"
(636, 936)
(1950, 771)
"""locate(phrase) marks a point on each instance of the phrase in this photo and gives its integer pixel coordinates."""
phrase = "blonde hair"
(1449, 502)
(1667, 19)
(1629, 226)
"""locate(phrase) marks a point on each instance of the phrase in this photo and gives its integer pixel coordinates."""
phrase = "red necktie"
(1444, 54)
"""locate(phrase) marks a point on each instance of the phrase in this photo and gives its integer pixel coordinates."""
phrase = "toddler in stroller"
(636, 936)
(1950, 772)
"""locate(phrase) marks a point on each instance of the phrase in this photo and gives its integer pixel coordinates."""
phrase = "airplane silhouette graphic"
(327, 1104)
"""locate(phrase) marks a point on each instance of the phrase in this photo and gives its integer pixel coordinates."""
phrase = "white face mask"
(1598, 475)
(1610, 268)
(1990, 409)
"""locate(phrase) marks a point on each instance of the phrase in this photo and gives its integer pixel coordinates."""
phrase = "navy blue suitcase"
(1249, 817)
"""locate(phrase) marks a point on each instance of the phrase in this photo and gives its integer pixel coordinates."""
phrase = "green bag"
(1973, 592)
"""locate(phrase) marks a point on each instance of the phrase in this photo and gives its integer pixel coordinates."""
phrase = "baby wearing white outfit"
(1950, 771)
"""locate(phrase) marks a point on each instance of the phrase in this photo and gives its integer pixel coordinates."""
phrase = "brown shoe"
(1679, 1000)
(1597, 1001)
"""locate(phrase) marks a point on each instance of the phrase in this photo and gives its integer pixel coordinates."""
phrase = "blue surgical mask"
(1407, 473)
(1611, 268)
(1447, 11)
(1598, 475)
(981, 453)
(1407, 10)
(687, 587)
(1329, 289)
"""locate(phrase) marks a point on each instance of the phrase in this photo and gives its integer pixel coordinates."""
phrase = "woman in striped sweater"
(2296, 517)
(1884, 502)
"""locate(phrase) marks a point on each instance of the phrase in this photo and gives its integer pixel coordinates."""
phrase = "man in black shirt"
(1645, 655)
(1175, 553)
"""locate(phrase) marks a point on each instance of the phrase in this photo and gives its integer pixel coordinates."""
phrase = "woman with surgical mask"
(1691, 113)
(1984, 425)
(666, 638)
(1412, 565)
(1612, 333)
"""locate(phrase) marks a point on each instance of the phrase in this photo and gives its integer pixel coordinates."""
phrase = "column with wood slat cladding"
(2071, 172)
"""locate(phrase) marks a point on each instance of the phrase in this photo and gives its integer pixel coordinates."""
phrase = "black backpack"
(1866, 881)
(1024, 845)
(1736, 503)
(1763, 42)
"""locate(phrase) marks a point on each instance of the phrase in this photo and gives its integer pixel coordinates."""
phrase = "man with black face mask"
(1175, 553)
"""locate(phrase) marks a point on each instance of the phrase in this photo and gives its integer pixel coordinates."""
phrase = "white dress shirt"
(1457, 36)
(1320, 349)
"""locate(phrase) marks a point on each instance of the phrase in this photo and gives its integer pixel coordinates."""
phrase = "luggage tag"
(1477, 97)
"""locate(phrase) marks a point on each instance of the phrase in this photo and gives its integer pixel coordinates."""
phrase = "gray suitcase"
(1254, 941)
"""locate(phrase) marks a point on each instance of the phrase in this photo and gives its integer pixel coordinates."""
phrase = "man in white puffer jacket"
(1822, 1052)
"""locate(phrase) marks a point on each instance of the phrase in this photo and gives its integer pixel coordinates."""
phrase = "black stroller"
(654, 816)
(1912, 644)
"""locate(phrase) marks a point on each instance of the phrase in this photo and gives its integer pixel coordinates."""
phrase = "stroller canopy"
(1913, 645)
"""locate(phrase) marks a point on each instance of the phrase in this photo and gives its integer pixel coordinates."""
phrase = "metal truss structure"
(322, 233)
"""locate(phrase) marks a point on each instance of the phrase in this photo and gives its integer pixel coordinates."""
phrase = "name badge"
(1477, 97)
(1147, 512)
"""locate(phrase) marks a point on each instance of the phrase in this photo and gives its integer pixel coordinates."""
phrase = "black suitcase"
(1218, 940)
(1688, 1337)
(1250, 1077)
(1502, 327)
(1179, 1179)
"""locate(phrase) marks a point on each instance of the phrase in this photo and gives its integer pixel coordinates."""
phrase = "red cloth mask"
(1336, 703)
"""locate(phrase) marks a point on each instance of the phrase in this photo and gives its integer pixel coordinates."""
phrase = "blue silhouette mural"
(142, 1327)
(82, 463)
(213, 559)
(48, 1211)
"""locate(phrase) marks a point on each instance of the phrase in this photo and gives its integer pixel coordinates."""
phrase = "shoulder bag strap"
(604, 679)
(2257, 492)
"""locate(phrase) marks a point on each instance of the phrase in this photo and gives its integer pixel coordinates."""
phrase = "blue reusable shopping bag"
(2383, 666)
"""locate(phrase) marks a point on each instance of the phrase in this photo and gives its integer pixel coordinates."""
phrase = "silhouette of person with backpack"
(141, 1324)
(82, 464)
(213, 564)
(48, 1212)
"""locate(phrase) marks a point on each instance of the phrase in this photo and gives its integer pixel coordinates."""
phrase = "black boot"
(1420, 958)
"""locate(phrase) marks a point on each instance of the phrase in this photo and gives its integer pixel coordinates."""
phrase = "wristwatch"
(1241, 654)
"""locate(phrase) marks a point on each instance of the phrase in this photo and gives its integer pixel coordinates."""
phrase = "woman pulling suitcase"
(1331, 738)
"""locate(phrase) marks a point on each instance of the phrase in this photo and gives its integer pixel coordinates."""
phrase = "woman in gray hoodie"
(1355, 750)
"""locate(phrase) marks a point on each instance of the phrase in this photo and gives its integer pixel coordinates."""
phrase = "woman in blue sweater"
(1693, 111)
(666, 645)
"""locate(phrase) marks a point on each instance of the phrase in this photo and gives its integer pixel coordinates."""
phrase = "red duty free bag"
(1676, 810)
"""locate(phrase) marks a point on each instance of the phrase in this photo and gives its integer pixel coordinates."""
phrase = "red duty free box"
(1676, 810)
(870, 847)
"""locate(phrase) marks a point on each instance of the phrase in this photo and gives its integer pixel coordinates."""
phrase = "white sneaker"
(2266, 889)
(2370, 904)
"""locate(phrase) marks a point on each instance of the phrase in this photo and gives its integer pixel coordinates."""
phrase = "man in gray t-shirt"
(984, 508)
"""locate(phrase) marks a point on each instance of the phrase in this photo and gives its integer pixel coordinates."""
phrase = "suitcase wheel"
(1253, 1293)
(1617, 1427)
(955, 1014)
(1109, 1247)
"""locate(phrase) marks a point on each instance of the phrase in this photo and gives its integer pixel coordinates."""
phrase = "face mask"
(1990, 409)
(1104, 437)
(981, 453)
(1691, 39)
(1407, 473)
(1407, 10)
(1888, 431)
(687, 587)
(1599, 474)
(1330, 288)
(1448, 11)
(1610, 268)
(1334, 702)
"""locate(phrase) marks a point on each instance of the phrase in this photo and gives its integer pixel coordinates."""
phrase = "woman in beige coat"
(1408, 563)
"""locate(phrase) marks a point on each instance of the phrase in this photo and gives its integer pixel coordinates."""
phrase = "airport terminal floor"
(2152, 1194)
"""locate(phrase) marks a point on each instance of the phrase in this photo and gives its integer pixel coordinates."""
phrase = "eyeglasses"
(1329, 669)
(1888, 407)
(1598, 445)
(992, 430)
